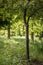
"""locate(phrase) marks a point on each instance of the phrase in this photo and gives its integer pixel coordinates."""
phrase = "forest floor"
(13, 51)
(36, 62)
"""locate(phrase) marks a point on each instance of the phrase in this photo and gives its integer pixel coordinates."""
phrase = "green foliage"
(36, 25)
(15, 10)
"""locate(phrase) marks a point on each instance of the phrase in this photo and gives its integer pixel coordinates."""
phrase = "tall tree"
(27, 9)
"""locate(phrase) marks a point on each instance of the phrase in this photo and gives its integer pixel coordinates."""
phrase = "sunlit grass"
(13, 51)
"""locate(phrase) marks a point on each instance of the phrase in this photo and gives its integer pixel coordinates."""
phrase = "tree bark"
(9, 30)
(23, 30)
(32, 34)
(27, 41)
(19, 31)
(27, 34)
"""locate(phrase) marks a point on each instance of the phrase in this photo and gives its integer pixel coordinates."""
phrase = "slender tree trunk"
(23, 30)
(27, 42)
(32, 34)
(19, 31)
(27, 35)
(9, 30)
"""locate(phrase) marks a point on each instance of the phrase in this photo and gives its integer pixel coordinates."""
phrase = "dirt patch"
(36, 62)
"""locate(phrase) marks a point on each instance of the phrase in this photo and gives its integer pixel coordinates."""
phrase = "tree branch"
(33, 13)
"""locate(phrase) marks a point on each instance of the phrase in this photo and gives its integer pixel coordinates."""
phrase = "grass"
(13, 51)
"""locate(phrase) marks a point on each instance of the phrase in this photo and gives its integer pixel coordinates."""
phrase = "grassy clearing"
(13, 51)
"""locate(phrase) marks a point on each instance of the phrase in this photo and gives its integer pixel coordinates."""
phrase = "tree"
(26, 10)
(26, 21)
(6, 12)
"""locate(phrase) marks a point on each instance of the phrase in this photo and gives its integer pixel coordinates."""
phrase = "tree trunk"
(23, 30)
(32, 34)
(27, 42)
(9, 30)
(19, 31)
(27, 35)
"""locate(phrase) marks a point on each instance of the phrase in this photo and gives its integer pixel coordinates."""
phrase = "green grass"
(13, 51)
